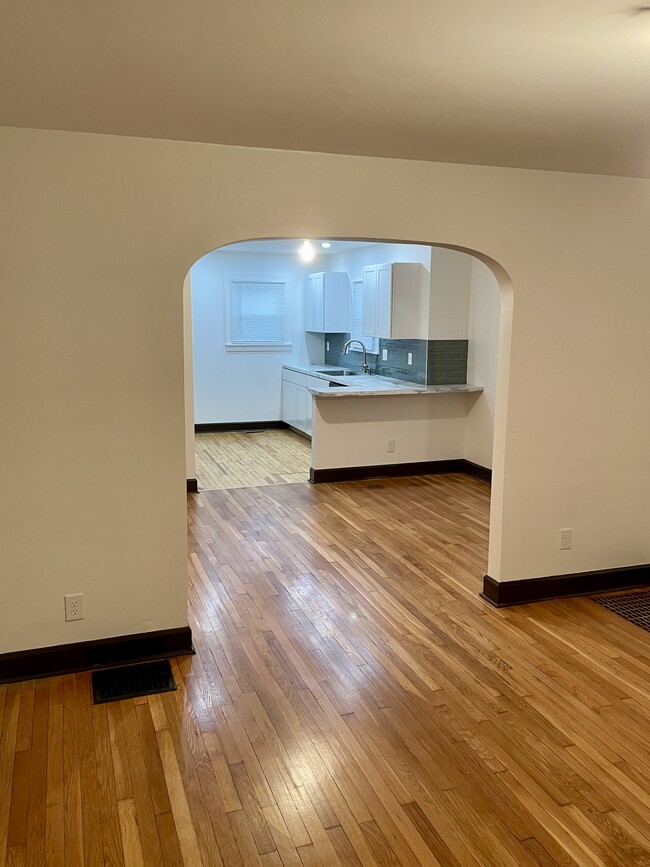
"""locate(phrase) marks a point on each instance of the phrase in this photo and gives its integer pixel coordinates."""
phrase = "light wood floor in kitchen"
(352, 702)
(244, 460)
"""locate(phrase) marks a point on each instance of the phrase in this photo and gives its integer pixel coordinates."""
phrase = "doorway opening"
(266, 326)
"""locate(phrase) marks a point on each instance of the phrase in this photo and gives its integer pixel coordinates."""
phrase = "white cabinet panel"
(384, 327)
(328, 302)
(296, 400)
(289, 391)
(391, 300)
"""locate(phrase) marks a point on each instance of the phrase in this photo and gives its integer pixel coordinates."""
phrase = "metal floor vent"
(634, 607)
(131, 681)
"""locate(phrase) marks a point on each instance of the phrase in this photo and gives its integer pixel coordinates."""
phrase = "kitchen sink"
(340, 372)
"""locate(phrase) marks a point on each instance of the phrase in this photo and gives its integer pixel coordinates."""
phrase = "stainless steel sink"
(339, 372)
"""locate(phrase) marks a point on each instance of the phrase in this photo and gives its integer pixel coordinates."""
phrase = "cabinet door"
(309, 303)
(318, 295)
(384, 301)
(369, 319)
(301, 408)
(309, 412)
(289, 391)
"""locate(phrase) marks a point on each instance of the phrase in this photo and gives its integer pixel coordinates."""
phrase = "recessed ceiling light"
(306, 251)
(326, 245)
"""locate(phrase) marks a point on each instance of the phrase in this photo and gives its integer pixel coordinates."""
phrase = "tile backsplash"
(435, 362)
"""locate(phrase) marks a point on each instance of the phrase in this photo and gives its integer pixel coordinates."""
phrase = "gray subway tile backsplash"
(435, 362)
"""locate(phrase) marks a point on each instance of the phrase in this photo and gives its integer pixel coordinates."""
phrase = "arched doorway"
(479, 315)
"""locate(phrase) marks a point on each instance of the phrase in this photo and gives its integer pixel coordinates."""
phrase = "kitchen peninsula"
(366, 425)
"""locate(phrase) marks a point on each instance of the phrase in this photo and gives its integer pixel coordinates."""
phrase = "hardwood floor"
(236, 459)
(352, 702)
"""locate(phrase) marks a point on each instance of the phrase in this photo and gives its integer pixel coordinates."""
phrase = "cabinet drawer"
(315, 382)
(293, 376)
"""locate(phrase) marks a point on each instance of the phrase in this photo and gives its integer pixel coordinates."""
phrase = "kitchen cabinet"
(297, 402)
(328, 302)
(391, 300)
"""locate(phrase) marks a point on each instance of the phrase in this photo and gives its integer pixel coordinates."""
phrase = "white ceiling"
(555, 84)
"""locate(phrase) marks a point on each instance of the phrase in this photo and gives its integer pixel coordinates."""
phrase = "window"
(256, 312)
(371, 343)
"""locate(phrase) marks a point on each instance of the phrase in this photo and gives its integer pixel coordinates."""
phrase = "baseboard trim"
(501, 594)
(192, 486)
(88, 655)
(224, 427)
(415, 468)
(477, 471)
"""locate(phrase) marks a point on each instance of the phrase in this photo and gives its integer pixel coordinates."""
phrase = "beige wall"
(352, 431)
(190, 456)
(97, 236)
(484, 316)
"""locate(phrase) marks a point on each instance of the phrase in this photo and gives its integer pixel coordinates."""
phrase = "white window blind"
(257, 313)
(371, 343)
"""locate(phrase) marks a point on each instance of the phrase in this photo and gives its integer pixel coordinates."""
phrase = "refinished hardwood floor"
(352, 702)
(236, 459)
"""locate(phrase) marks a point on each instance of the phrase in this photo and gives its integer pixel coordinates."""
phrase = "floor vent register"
(633, 606)
(131, 681)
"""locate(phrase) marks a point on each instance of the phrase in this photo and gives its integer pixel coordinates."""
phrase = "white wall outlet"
(390, 445)
(409, 358)
(565, 539)
(74, 606)
(384, 355)
(327, 346)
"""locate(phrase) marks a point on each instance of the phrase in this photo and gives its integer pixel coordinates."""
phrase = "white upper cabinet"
(328, 302)
(391, 300)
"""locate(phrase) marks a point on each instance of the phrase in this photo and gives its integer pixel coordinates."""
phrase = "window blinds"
(256, 312)
(371, 343)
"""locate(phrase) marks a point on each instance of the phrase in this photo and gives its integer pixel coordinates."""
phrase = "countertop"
(369, 385)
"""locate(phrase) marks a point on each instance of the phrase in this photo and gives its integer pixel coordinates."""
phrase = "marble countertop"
(369, 385)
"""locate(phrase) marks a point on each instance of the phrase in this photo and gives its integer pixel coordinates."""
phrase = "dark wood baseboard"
(476, 470)
(416, 468)
(88, 655)
(224, 427)
(504, 593)
(192, 486)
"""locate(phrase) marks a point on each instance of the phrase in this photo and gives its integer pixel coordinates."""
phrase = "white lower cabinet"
(297, 402)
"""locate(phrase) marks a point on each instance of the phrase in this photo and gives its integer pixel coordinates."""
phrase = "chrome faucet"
(364, 366)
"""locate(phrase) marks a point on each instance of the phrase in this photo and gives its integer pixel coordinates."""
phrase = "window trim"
(231, 277)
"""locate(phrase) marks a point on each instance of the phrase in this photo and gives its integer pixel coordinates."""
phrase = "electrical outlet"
(565, 539)
(390, 445)
(327, 346)
(74, 606)
(409, 358)
(384, 355)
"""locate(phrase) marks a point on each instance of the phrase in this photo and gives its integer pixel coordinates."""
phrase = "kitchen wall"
(97, 234)
(238, 386)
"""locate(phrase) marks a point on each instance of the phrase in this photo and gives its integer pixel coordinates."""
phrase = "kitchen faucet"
(364, 366)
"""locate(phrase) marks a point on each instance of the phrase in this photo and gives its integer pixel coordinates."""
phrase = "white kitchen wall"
(484, 315)
(243, 386)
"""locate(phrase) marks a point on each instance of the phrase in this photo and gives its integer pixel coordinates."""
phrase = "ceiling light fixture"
(306, 251)
(326, 245)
